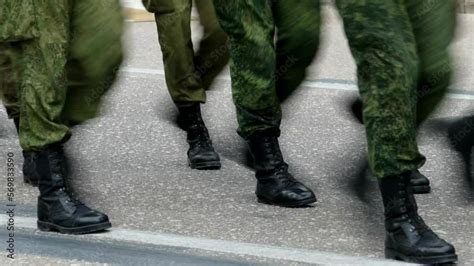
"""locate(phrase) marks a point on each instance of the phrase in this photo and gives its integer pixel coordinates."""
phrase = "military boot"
(29, 173)
(408, 238)
(461, 136)
(201, 153)
(419, 182)
(57, 209)
(275, 185)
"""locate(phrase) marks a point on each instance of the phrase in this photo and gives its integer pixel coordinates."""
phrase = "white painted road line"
(230, 247)
(333, 85)
(133, 4)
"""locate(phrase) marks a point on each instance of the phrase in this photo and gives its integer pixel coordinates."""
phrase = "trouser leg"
(262, 71)
(43, 81)
(173, 19)
(433, 25)
(213, 53)
(95, 56)
(297, 42)
(387, 61)
(250, 26)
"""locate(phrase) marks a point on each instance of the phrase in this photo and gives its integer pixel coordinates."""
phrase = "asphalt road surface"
(131, 163)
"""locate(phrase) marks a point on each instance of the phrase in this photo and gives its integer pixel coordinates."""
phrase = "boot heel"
(392, 254)
(43, 226)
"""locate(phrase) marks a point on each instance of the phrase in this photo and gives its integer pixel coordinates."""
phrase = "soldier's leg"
(94, 58)
(383, 44)
(43, 79)
(10, 65)
(213, 53)
(173, 19)
(250, 25)
(43, 129)
(433, 24)
(297, 41)
(387, 63)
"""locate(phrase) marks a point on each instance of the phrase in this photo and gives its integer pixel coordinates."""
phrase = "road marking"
(330, 84)
(224, 246)
(134, 4)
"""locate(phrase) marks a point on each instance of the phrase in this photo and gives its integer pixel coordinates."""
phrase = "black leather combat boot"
(201, 153)
(408, 238)
(29, 173)
(275, 185)
(30, 176)
(356, 108)
(419, 182)
(57, 209)
(461, 136)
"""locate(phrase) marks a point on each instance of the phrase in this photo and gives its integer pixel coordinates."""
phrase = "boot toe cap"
(92, 217)
(287, 197)
(207, 156)
(297, 195)
(205, 160)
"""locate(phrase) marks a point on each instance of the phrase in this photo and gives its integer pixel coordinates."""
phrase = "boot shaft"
(190, 116)
(266, 152)
(190, 119)
(398, 200)
(51, 168)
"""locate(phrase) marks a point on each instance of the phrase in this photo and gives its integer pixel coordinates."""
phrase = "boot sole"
(294, 204)
(212, 165)
(392, 254)
(421, 189)
(45, 226)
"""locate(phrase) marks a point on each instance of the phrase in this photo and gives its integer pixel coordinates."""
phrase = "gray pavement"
(131, 163)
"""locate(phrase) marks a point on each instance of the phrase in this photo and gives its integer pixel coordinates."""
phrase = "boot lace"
(199, 137)
(413, 218)
(57, 159)
(276, 159)
(272, 149)
(70, 198)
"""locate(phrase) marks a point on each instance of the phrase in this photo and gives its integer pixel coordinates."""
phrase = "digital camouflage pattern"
(189, 74)
(265, 73)
(19, 25)
(401, 51)
(60, 73)
(8, 77)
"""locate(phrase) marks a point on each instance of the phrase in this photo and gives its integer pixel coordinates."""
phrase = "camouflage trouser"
(57, 76)
(8, 78)
(401, 51)
(188, 74)
(265, 73)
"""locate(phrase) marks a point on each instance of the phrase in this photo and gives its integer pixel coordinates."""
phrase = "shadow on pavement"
(460, 134)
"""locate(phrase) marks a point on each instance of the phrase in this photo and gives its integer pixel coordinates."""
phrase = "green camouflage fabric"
(18, 25)
(8, 76)
(265, 72)
(189, 74)
(401, 51)
(60, 74)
